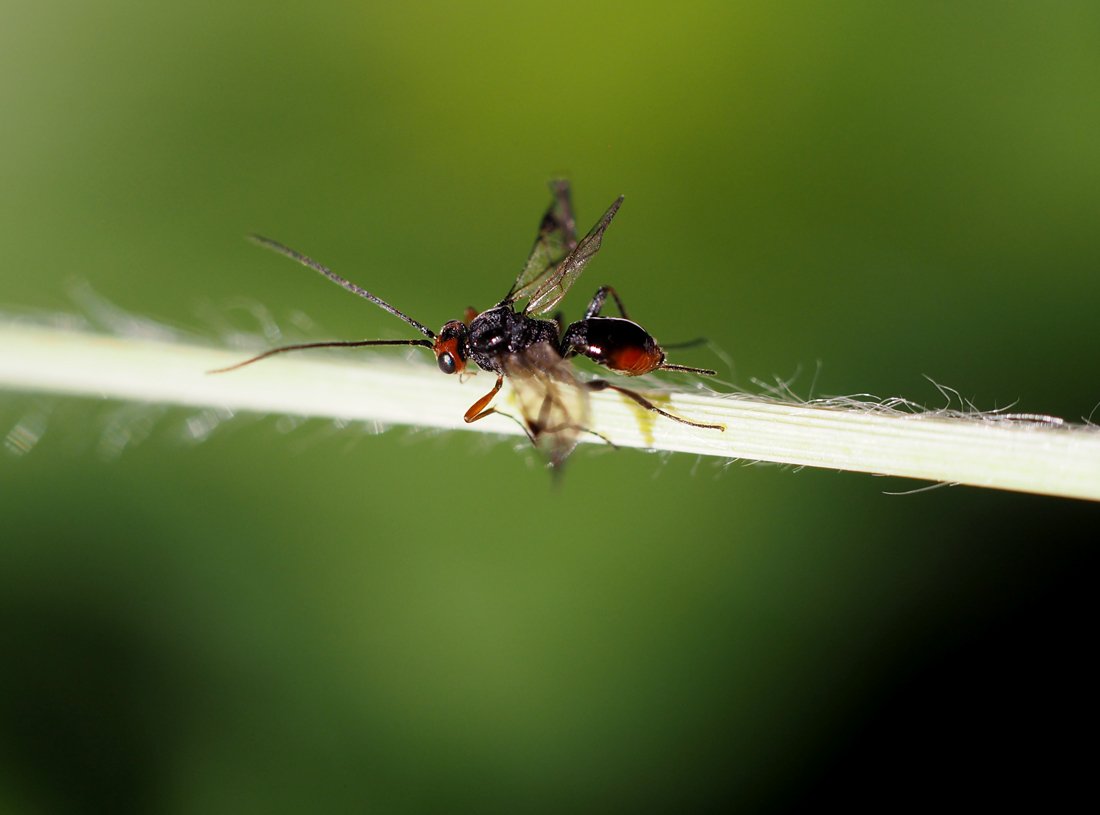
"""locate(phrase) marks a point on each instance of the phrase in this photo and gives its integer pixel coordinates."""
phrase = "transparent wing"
(553, 405)
(557, 237)
(554, 287)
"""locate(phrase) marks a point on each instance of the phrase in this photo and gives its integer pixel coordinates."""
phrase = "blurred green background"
(289, 618)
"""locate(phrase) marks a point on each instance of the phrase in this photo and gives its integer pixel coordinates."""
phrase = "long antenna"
(275, 246)
(334, 344)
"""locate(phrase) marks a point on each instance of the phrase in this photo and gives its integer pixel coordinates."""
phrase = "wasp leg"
(533, 435)
(521, 423)
(602, 384)
(596, 306)
(599, 436)
(478, 409)
(562, 427)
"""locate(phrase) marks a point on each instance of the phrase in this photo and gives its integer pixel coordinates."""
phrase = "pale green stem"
(982, 450)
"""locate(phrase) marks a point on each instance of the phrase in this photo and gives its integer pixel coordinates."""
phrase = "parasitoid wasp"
(518, 343)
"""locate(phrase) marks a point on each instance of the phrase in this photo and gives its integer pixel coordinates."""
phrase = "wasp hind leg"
(596, 305)
(603, 384)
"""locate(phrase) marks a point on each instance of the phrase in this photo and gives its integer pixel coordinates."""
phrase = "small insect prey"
(518, 343)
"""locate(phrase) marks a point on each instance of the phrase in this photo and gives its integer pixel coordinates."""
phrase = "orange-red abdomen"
(614, 342)
(634, 360)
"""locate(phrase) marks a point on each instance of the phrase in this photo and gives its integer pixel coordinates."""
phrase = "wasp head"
(451, 347)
